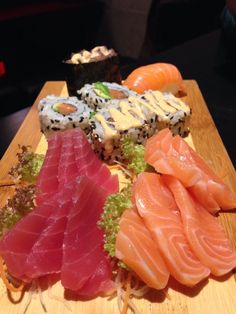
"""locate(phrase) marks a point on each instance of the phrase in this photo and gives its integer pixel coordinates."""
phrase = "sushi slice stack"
(108, 112)
(138, 117)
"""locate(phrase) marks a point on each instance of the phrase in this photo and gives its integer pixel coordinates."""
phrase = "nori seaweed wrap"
(99, 64)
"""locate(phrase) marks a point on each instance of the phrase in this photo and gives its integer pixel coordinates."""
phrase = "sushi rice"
(106, 122)
(138, 117)
(52, 120)
(88, 94)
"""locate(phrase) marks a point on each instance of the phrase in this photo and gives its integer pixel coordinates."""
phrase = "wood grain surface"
(215, 296)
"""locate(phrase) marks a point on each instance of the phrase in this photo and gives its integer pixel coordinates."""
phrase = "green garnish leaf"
(92, 114)
(28, 166)
(102, 90)
(114, 207)
(21, 203)
(134, 154)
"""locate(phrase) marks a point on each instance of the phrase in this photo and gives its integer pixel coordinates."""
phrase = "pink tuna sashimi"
(173, 156)
(83, 253)
(159, 211)
(61, 237)
(74, 157)
(90, 165)
(99, 283)
(33, 247)
(45, 256)
(47, 181)
(17, 243)
(206, 237)
(136, 247)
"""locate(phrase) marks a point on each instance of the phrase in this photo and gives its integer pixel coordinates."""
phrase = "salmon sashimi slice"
(159, 211)
(205, 235)
(158, 76)
(136, 248)
(210, 188)
(173, 156)
(165, 158)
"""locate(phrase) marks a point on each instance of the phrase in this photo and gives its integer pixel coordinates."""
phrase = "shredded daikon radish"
(30, 297)
(58, 298)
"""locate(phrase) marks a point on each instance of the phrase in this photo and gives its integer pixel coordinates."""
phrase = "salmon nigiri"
(164, 77)
(159, 211)
(173, 156)
(135, 247)
(205, 235)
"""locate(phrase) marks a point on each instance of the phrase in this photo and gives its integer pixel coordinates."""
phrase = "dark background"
(36, 36)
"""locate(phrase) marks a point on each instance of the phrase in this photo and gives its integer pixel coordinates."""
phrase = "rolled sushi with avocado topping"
(60, 113)
(101, 94)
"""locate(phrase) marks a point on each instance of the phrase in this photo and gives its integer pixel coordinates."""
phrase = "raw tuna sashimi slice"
(45, 256)
(173, 156)
(47, 181)
(206, 237)
(83, 253)
(17, 243)
(90, 165)
(99, 282)
(136, 248)
(157, 207)
(72, 157)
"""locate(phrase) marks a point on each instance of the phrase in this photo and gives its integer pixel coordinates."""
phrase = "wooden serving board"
(212, 297)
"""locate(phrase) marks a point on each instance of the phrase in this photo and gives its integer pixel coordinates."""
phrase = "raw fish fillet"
(16, 245)
(83, 255)
(173, 156)
(70, 155)
(159, 211)
(62, 237)
(136, 248)
(158, 76)
(205, 236)
(45, 257)
(47, 181)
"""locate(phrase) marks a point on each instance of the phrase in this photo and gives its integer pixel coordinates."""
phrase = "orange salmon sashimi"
(136, 248)
(158, 76)
(160, 153)
(205, 236)
(157, 207)
(171, 155)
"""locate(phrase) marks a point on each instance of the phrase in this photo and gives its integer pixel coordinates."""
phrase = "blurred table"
(199, 59)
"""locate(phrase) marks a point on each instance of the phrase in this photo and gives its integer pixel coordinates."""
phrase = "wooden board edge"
(30, 135)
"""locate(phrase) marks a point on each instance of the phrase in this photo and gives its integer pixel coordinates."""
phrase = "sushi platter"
(217, 295)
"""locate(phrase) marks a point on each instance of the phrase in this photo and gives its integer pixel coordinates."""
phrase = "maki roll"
(101, 94)
(172, 112)
(60, 113)
(138, 117)
(99, 64)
